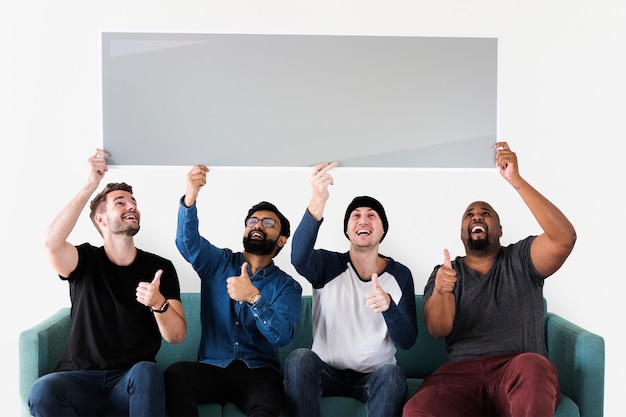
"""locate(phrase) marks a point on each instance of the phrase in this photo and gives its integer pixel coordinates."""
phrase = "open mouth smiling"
(478, 228)
(256, 235)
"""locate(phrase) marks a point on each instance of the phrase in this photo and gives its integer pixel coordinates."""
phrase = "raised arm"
(320, 181)
(196, 179)
(61, 254)
(550, 249)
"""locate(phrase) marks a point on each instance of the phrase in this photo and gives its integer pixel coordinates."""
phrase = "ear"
(282, 241)
(100, 220)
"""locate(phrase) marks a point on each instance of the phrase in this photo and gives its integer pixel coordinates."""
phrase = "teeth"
(362, 232)
(478, 229)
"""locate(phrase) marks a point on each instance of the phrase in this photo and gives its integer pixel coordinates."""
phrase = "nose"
(477, 216)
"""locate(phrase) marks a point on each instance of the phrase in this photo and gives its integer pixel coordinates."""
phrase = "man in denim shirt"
(249, 308)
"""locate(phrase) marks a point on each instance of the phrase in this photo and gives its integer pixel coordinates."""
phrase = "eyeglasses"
(265, 222)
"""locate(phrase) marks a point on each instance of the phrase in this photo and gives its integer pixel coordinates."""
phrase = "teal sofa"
(578, 354)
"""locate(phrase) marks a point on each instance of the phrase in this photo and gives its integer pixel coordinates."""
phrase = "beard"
(132, 231)
(258, 247)
(478, 245)
(120, 227)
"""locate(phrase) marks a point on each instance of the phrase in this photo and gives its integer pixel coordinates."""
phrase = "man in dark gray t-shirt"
(488, 305)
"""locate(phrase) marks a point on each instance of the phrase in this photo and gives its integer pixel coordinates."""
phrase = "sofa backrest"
(419, 361)
(188, 350)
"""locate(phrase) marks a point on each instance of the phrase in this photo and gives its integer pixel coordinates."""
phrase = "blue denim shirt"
(232, 329)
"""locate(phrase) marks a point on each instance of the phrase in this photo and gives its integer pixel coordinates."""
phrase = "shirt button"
(236, 343)
(236, 323)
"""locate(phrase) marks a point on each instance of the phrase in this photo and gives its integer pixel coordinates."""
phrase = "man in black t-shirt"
(124, 300)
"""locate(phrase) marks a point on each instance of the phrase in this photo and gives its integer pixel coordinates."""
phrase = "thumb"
(375, 280)
(157, 278)
(244, 269)
(446, 259)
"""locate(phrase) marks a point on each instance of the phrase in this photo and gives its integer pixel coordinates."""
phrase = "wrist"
(161, 308)
(254, 298)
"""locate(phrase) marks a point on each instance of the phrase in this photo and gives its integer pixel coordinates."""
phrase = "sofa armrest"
(40, 348)
(579, 356)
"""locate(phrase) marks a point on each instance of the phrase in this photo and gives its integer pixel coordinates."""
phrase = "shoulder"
(397, 268)
(88, 247)
(87, 250)
(521, 246)
(283, 280)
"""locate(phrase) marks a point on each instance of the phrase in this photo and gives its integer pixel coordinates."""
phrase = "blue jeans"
(308, 378)
(138, 391)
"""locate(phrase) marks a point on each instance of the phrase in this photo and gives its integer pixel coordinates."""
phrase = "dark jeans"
(520, 384)
(256, 391)
(308, 378)
(135, 392)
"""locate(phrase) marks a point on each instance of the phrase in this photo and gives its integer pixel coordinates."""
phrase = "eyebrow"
(124, 197)
(480, 208)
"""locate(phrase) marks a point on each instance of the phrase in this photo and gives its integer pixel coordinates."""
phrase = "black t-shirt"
(109, 328)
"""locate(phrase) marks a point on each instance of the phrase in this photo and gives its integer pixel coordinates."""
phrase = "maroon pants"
(517, 385)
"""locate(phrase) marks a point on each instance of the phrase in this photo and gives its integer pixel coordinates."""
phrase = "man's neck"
(481, 261)
(121, 251)
(367, 262)
(256, 262)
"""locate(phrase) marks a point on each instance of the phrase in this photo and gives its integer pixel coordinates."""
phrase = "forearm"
(172, 323)
(551, 220)
(402, 325)
(316, 207)
(277, 321)
(187, 233)
(439, 311)
(303, 242)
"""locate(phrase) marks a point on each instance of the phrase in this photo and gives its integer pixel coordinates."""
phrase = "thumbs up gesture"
(445, 280)
(149, 293)
(377, 298)
(240, 287)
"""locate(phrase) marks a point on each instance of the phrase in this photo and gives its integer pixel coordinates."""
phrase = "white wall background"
(561, 107)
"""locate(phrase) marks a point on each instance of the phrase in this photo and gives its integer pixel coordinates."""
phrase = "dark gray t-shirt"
(499, 312)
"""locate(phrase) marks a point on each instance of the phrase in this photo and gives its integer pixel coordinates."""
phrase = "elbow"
(178, 336)
(283, 338)
(572, 242)
(437, 333)
(283, 341)
(408, 343)
(177, 339)
(569, 238)
(48, 244)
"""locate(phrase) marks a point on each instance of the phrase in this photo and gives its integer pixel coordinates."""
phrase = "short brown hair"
(98, 201)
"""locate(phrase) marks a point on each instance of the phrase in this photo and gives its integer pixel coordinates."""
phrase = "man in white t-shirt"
(363, 307)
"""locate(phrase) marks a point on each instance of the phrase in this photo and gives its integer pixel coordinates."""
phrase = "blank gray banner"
(182, 99)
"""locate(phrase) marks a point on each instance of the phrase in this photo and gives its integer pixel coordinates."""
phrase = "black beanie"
(266, 206)
(366, 201)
